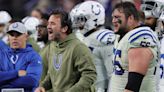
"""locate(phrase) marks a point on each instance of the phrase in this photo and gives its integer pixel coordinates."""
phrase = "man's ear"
(131, 18)
(27, 36)
(64, 29)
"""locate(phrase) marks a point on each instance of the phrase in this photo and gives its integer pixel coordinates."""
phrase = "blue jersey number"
(162, 69)
(118, 68)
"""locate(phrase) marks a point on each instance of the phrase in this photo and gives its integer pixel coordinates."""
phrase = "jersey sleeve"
(106, 37)
(34, 70)
(162, 59)
(142, 38)
(162, 47)
(6, 76)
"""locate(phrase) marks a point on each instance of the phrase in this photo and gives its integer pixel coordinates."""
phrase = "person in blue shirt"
(20, 65)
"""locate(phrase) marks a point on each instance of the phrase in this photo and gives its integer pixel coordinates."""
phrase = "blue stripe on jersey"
(114, 50)
(105, 35)
(139, 32)
(162, 56)
(142, 35)
(100, 34)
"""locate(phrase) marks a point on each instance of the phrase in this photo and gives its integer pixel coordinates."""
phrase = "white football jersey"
(79, 35)
(161, 84)
(139, 37)
(101, 43)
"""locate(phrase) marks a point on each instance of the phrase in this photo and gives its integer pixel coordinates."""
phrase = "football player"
(136, 52)
(88, 23)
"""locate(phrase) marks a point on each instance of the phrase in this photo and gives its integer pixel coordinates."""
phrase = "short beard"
(57, 37)
(39, 39)
(122, 31)
(44, 39)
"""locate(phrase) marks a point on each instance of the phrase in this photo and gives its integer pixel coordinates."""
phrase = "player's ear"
(26, 35)
(131, 18)
(64, 29)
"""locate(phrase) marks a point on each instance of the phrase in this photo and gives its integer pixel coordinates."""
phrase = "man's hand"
(21, 73)
(40, 89)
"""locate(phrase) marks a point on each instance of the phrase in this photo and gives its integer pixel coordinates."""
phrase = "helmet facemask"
(151, 8)
(87, 16)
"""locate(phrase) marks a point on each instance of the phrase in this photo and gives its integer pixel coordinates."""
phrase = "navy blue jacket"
(11, 61)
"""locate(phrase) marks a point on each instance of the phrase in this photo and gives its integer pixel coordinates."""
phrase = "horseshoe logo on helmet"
(95, 10)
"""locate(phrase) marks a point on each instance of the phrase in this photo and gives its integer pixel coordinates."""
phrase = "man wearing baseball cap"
(20, 66)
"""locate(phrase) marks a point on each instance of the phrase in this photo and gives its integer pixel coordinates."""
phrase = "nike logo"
(146, 37)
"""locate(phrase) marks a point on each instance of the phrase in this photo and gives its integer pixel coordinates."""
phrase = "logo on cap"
(15, 25)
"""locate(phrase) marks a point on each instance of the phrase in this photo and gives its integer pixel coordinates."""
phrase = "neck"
(45, 41)
(134, 25)
(62, 37)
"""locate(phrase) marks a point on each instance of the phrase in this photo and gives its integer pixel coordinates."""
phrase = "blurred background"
(18, 9)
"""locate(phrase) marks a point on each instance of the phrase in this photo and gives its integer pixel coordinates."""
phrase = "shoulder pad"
(106, 36)
(142, 38)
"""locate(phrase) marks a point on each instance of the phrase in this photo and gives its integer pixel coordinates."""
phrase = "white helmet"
(31, 23)
(152, 7)
(160, 24)
(4, 17)
(72, 16)
(88, 15)
(161, 17)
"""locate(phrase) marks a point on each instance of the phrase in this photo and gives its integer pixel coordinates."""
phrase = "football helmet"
(87, 15)
(160, 22)
(4, 17)
(152, 7)
(160, 25)
(161, 17)
(31, 23)
(72, 17)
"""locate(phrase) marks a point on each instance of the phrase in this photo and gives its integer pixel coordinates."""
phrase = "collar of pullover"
(64, 42)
